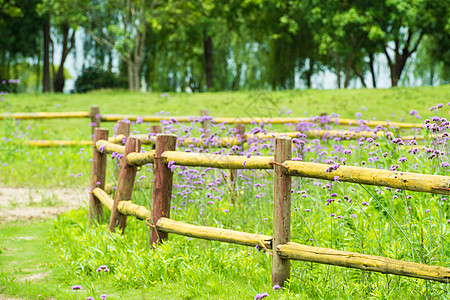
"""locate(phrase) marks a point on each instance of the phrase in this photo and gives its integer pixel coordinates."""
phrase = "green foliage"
(92, 78)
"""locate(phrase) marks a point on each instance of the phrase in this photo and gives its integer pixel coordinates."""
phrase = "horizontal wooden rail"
(289, 250)
(118, 117)
(341, 121)
(53, 143)
(108, 147)
(127, 208)
(218, 161)
(46, 115)
(363, 262)
(435, 184)
(103, 197)
(213, 234)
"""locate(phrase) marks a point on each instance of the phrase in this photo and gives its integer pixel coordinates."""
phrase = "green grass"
(381, 104)
(397, 224)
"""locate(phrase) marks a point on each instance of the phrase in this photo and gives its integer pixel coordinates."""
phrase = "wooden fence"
(96, 119)
(284, 169)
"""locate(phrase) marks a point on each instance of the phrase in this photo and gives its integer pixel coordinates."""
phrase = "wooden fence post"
(155, 129)
(95, 118)
(162, 186)
(281, 210)
(206, 124)
(98, 176)
(123, 128)
(124, 185)
(240, 133)
(240, 130)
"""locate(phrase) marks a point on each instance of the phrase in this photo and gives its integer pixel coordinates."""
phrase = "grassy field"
(379, 221)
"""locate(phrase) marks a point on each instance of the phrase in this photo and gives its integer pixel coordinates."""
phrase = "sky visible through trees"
(210, 45)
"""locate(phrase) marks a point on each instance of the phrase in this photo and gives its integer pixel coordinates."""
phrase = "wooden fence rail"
(96, 117)
(284, 170)
(288, 251)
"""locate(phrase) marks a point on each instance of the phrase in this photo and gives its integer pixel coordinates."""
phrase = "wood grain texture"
(281, 210)
(98, 176)
(162, 186)
(125, 185)
(435, 184)
(363, 262)
(214, 234)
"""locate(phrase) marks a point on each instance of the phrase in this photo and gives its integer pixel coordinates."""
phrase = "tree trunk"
(309, 73)
(372, 69)
(360, 75)
(348, 65)
(46, 66)
(59, 79)
(337, 65)
(401, 56)
(208, 48)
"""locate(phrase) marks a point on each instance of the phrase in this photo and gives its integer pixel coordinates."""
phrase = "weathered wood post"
(95, 118)
(206, 124)
(240, 135)
(155, 129)
(281, 210)
(125, 185)
(240, 130)
(162, 186)
(123, 128)
(98, 176)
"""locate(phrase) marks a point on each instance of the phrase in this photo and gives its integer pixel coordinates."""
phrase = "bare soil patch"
(32, 203)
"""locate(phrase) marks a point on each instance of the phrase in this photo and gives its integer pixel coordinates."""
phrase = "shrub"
(93, 78)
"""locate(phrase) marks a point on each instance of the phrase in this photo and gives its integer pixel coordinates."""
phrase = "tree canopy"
(197, 45)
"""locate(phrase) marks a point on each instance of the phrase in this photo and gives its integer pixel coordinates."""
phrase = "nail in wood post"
(281, 210)
(124, 185)
(98, 176)
(155, 129)
(162, 186)
(95, 118)
(206, 124)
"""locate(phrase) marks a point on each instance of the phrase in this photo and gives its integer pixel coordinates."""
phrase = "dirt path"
(32, 203)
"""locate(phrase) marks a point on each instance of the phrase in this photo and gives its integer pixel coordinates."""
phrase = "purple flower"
(402, 159)
(353, 216)
(103, 296)
(365, 203)
(347, 151)
(103, 267)
(445, 165)
(101, 148)
(427, 210)
(276, 287)
(260, 296)
(90, 298)
(76, 287)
